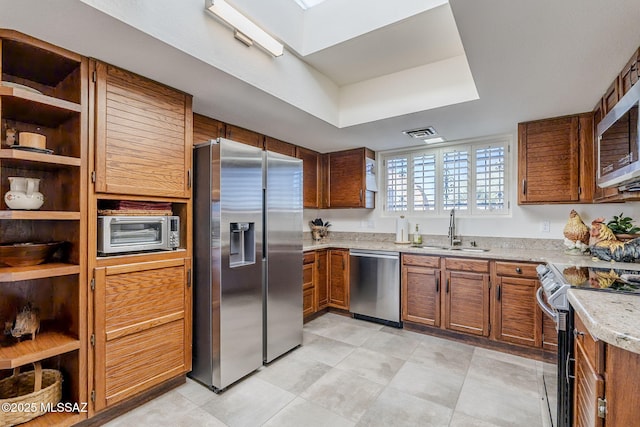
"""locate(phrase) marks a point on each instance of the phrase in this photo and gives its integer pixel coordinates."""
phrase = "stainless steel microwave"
(619, 143)
(121, 234)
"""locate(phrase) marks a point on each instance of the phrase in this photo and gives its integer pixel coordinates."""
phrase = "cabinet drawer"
(593, 349)
(421, 260)
(516, 269)
(307, 276)
(307, 302)
(308, 257)
(465, 264)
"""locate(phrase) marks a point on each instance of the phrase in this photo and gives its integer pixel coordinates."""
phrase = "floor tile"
(501, 372)
(371, 365)
(293, 373)
(195, 392)
(344, 393)
(394, 408)
(390, 344)
(303, 413)
(429, 382)
(250, 403)
(171, 410)
(325, 350)
(346, 332)
(461, 420)
(443, 354)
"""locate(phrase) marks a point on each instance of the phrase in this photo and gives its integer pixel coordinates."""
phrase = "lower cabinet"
(339, 278)
(421, 289)
(308, 291)
(517, 319)
(142, 324)
(321, 284)
(589, 383)
(466, 298)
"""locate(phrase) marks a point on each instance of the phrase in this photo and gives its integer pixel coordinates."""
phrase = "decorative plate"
(34, 149)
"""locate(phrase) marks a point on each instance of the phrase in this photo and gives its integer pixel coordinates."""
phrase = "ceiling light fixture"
(241, 24)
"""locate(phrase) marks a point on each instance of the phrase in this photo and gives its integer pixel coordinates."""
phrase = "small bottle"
(417, 237)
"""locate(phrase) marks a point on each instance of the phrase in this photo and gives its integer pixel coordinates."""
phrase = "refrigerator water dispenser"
(242, 248)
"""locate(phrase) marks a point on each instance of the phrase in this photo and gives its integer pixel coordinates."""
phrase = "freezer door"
(283, 239)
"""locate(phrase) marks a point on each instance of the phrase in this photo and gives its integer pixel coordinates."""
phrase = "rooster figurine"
(576, 233)
(607, 247)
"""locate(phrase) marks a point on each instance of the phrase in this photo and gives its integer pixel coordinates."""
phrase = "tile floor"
(355, 373)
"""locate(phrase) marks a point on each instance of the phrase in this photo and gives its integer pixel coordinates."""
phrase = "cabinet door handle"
(447, 291)
(361, 195)
(524, 186)
(518, 270)
(577, 333)
(437, 284)
(498, 292)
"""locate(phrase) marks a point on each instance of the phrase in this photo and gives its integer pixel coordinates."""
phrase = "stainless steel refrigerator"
(243, 309)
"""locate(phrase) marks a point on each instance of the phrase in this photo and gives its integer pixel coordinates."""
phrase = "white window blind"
(471, 178)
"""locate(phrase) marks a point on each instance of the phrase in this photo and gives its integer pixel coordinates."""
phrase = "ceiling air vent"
(421, 133)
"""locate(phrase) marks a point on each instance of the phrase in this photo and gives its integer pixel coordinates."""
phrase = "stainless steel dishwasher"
(375, 286)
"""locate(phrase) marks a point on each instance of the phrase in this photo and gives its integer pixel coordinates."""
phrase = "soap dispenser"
(417, 237)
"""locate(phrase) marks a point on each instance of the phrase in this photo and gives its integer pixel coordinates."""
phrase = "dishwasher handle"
(375, 254)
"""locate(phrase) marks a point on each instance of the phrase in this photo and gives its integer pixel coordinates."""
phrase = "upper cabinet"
(312, 177)
(206, 129)
(244, 136)
(347, 179)
(277, 146)
(555, 160)
(143, 135)
(630, 73)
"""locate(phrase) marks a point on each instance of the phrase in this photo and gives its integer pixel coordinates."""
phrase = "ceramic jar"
(23, 193)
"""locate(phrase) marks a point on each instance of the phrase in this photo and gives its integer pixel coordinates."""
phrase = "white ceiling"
(529, 60)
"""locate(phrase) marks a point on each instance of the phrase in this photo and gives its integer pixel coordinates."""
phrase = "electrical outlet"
(545, 226)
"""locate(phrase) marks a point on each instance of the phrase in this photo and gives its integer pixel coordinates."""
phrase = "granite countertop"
(509, 254)
(611, 317)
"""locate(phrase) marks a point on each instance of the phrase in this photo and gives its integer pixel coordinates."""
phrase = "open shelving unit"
(58, 288)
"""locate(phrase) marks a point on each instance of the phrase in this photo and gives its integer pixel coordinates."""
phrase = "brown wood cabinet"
(277, 146)
(312, 177)
(555, 160)
(611, 96)
(143, 135)
(308, 292)
(339, 278)
(421, 289)
(57, 288)
(244, 136)
(142, 327)
(205, 129)
(466, 297)
(321, 284)
(629, 74)
(347, 182)
(517, 317)
(589, 383)
(606, 379)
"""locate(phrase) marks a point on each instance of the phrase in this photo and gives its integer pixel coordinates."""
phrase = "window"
(470, 178)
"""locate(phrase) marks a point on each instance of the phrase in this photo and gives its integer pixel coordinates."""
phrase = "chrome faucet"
(452, 229)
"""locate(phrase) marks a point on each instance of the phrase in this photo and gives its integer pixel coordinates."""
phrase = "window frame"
(471, 146)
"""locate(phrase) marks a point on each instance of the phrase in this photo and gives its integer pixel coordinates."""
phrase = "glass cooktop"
(601, 278)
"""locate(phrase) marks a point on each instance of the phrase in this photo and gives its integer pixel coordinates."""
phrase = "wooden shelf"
(49, 161)
(40, 215)
(46, 344)
(53, 269)
(24, 106)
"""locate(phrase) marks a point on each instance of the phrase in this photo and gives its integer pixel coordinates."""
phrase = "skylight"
(306, 4)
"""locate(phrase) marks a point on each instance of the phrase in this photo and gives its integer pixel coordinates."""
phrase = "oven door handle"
(545, 308)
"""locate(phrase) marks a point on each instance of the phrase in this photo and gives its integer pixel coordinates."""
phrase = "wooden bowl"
(33, 140)
(24, 254)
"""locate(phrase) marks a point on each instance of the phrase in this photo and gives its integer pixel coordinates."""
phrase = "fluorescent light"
(242, 24)
(306, 4)
(434, 140)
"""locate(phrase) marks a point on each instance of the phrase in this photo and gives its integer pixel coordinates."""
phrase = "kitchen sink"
(447, 248)
(469, 249)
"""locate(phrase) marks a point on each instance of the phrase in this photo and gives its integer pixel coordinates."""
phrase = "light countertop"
(611, 317)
